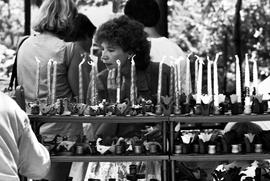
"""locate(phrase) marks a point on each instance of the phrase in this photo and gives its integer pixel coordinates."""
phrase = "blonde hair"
(55, 16)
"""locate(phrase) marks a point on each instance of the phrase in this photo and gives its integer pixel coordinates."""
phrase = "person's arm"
(34, 159)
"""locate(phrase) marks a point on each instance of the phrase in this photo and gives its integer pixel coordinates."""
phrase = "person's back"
(44, 46)
(20, 150)
(149, 16)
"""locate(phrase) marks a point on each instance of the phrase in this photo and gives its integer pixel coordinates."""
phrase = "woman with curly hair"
(121, 39)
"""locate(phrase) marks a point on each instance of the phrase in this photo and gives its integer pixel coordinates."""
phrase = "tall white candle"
(37, 77)
(132, 86)
(215, 69)
(54, 81)
(255, 72)
(160, 80)
(196, 73)
(177, 65)
(238, 80)
(49, 67)
(209, 77)
(199, 82)
(188, 78)
(118, 81)
(81, 97)
(176, 91)
(247, 75)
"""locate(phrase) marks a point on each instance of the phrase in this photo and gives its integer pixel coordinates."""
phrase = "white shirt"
(20, 150)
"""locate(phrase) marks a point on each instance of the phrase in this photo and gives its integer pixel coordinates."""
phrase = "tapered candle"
(215, 69)
(49, 67)
(81, 96)
(188, 78)
(196, 73)
(209, 77)
(37, 77)
(118, 81)
(172, 85)
(176, 82)
(178, 61)
(238, 80)
(54, 81)
(160, 80)
(94, 84)
(199, 82)
(247, 75)
(132, 86)
(177, 66)
(255, 73)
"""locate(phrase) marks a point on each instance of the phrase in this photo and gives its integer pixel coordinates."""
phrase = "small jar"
(153, 148)
(177, 149)
(235, 148)
(258, 148)
(211, 149)
(196, 148)
(79, 150)
(138, 149)
(118, 149)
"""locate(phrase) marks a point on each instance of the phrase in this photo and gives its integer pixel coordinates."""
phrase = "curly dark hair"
(129, 35)
(146, 12)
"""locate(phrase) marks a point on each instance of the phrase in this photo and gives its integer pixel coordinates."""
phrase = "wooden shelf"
(220, 119)
(98, 119)
(108, 158)
(207, 157)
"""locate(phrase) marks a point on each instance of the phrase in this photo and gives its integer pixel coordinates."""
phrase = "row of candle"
(51, 85)
(175, 83)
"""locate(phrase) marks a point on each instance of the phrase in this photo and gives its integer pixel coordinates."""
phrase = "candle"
(118, 81)
(247, 81)
(178, 63)
(81, 97)
(178, 75)
(196, 73)
(54, 81)
(176, 85)
(238, 80)
(199, 82)
(37, 77)
(209, 77)
(160, 80)
(188, 77)
(216, 102)
(255, 73)
(132, 86)
(49, 78)
(95, 93)
(171, 80)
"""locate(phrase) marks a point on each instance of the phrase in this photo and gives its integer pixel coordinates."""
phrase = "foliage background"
(203, 27)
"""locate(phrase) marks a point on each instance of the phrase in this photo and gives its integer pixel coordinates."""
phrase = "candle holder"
(33, 107)
(59, 105)
(81, 107)
(166, 105)
(257, 106)
(121, 109)
(198, 109)
(66, 112)
(236, 108)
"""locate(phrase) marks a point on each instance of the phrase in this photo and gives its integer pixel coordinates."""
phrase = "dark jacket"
(147, 84)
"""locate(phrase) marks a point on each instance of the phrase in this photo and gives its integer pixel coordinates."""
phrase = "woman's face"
(111, 53)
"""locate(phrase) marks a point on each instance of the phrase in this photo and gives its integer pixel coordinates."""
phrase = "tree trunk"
(27, 16)
(237, 32)
(162, 26)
